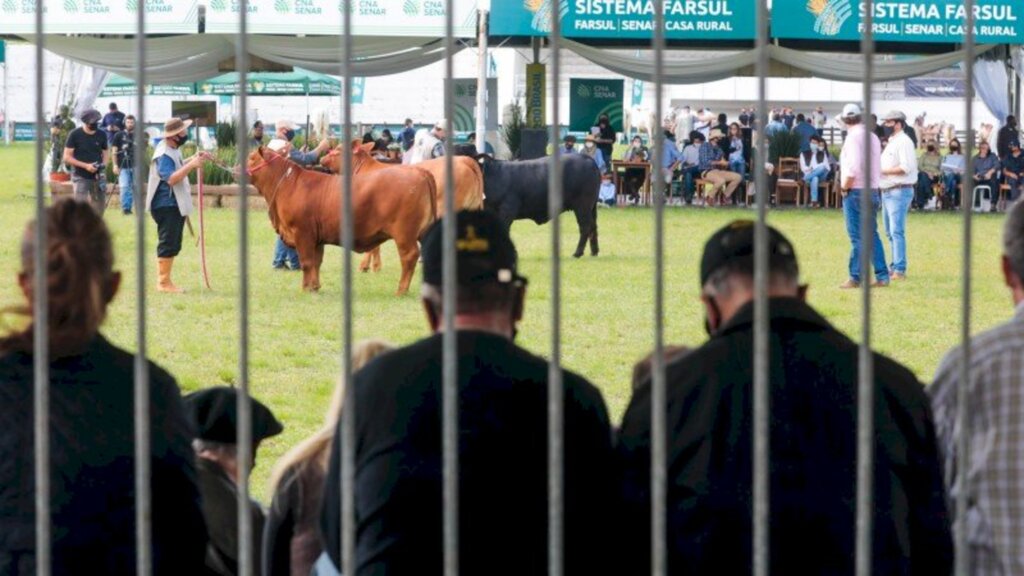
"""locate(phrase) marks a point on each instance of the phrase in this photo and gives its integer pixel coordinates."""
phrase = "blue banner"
(684, 19)
(934, 88)
(996, 21)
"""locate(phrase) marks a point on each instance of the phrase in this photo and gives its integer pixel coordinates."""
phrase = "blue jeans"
(895, 206)
(851, 211)
(283, 254)
(813, 178)
(126, 183)
(951, 180)
(738, 166)
(689, 175)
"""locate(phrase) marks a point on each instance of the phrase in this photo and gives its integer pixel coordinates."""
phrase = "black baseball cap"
(734, 244)
(214, 412)
(484, 251)
(91, 115)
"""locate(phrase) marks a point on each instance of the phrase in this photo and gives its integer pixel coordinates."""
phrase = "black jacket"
(220, 510)
(92, 474)
(813, 447)
(502, 459)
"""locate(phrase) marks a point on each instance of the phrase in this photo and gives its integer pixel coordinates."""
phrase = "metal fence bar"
(143, 473)
(963, 415)
(659, 441)
(762, 402)
(556, 396)
(246, 549)
(865, 364)
(450, 391)
(348, 424)
(40, 315)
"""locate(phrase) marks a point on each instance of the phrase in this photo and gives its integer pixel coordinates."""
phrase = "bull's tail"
(432, 195)
(476, 201)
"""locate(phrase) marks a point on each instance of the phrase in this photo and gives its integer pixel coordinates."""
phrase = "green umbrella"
(121, 86)
(297, 83)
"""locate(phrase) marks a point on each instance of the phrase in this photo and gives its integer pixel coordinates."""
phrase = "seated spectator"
(986, 170)
(995, 406)
(91, 422)
(929, 173)
(291, 541)
(634, 177)
(953, 166)
(590, 149)
(502, 440)
(737, 160)
(815, 167)
(1013, 170)
(690, 166)
(714, 168)
(215, 414)
(813, 390)
(385, 140)
(568, 144)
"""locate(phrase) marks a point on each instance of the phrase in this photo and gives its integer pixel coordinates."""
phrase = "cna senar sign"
(99, 16)
(684, 19)
(996, 21)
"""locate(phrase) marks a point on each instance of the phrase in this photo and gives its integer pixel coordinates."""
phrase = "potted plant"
(61, 125)
(512, 131)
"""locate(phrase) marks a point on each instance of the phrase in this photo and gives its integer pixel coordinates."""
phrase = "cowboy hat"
(284, 124)
(175, 126)
(277, 144)
(716, 133)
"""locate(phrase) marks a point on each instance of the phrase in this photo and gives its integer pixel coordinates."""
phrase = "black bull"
(519, 191)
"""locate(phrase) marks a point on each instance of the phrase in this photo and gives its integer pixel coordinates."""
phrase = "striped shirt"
(995, 515)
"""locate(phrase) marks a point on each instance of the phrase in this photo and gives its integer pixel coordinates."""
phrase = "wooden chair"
(805, 192)
(1004, 191)
(699, 185)
(788, 180)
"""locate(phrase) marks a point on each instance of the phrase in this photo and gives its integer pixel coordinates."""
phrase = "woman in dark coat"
(91, 423)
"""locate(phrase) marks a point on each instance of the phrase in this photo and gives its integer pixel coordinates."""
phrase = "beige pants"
(723, 181)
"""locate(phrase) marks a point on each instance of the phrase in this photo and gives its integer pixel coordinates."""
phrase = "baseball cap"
(284, 123)
(91, 115)
(440, 124)
(483, 248)
(277, 144)
(214, 411)
(851, 111)
(734, 244)
(895, 115)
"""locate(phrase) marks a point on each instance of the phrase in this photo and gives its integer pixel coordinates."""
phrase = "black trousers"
(169, 227)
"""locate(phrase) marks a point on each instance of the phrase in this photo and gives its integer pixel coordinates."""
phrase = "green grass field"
(606, 305)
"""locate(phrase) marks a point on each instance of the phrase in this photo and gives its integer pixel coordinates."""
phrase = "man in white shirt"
(683, 126)
(899, 174)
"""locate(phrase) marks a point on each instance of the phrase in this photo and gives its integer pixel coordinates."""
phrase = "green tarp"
(121, 86)
(298, 83)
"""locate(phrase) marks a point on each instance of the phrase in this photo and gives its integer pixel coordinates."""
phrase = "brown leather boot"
(163, 279)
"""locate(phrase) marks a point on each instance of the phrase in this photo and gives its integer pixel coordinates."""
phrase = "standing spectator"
(813, 391)
(286, 131)
(285, 256)
(815, 166)
(124, 163)
(291, 538)
(775, 126)
(91, 422)
(898, 177)
(723, 127)
(788, 117)
(214, 411)
(471, 141)
(953, 166)
(855, 182)
(929, 173)
(819, 120)
(737, 160)
(879, 129)
(986, 170)
(604, 136)
(592, 150)
(86, 151)
(169, 196)
(1008, 132)
(256, 135)
(744, 117)
(429, 144)
(503, 471)
(804, 130)
(113, 122)
(995, 406)
(1013, 170)
(684, 126)
(714, 168)
(407, 136)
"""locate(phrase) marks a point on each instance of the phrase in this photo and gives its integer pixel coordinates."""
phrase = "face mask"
(289, 135)
(954, 148)
(636, 145)
(814, 148)
(93, 126)
(590, 145)
(182, 138)
(931, 148)
(569, 147)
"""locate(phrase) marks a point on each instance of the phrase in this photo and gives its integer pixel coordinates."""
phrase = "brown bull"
(469, 182)
(305, 209)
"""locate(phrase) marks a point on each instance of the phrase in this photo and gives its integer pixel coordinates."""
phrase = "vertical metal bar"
(659, 442)
(450, 392)
(481, 82)
(762, 402)
(963, 415)
(348, 424)
(865, 369)
(246, 549)
(143, 487)
(556, 398)
(40, 316)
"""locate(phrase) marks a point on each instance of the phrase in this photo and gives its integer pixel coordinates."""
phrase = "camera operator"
(86, 151)
(124, 162)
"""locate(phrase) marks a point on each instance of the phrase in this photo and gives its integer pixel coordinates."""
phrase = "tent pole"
(481, 83)
(307, 117)
(7, 113)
